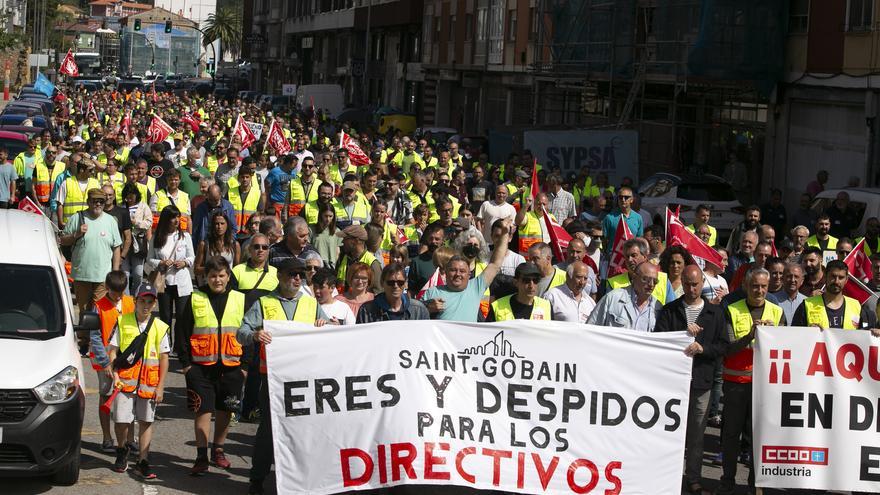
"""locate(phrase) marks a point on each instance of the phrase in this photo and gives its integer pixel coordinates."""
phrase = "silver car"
(688, 191)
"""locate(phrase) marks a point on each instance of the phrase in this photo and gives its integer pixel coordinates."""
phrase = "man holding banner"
(744, 317)
(286, 303)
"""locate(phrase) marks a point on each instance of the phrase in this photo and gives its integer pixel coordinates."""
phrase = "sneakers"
(714, 421)
(218, 458)
(200, 467)
(133, 448)
(108, 447)
(256, 487)
(121, 464)
(143, 469)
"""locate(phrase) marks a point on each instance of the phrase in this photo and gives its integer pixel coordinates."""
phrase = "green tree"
(224, 25)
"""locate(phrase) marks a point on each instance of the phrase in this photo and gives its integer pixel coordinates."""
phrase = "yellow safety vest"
(416, 200)
(248, 277)
(206, 346)
(211, 164)
(367, 258)
(75, 201)
(300, 195)
(244, 209)
(558, 279)
(143, 376)
(145, 193)
(58, 168)
(306, 312)
(105, 178)
(530, 233)
(869, 251)
(738, 366)
(659, 292)
(360, 212)
(163, 200)
(818, 315)
(713, 234)
(541, 309)
(486, 299)
(814, 241)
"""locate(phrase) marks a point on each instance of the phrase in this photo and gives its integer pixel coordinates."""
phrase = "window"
(468, 27)
(452, 21)
(482, 24)
(799, 16)
(511, 25)
(29, 304)
(860, 14)
(533, 24)
(426, 28)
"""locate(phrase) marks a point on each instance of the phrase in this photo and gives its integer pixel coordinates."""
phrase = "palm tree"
(224, 25)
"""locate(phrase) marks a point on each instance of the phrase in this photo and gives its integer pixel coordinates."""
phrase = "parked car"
(14, 142)
(25, 107)
(46, 104)
(688, 191)
(23, 129)
(864, 201)
(42, 410)
(17, 119)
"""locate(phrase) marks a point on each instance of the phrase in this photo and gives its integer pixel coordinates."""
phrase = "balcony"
(326, 21)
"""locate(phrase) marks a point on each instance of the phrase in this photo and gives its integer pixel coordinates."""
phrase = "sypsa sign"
(613, 152)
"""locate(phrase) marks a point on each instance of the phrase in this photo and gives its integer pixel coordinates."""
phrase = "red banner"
(243, 131)
(158, 131)
(617, 263)
(355, 154)
(276, 140)
(28, 205)
(678, 235)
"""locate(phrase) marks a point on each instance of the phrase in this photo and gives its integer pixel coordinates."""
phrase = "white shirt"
(164, 346)
(566, 308)
(489, 212)
(339, 310)
(510, 262)
(177, 248)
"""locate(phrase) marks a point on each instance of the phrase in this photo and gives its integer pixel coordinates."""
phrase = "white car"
(688, 192)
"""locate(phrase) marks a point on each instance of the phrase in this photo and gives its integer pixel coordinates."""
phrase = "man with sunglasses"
(393, 303)
(286, 303)
(525, 304)
(71, 196)
(632, 307)
(624, 209)
(256, 275)
(304, 189)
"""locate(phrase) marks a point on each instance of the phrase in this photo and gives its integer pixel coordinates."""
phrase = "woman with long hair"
(324, 238)
(171, 254)
(219, 242)
(359, 279)
(141, 223)
(672, 261)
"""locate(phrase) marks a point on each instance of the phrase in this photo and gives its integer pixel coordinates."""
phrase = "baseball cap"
(523, 174)
(145, 289)
(350, 185)
(77, 139)
(290, 265)
(356, 231)
(527, 270)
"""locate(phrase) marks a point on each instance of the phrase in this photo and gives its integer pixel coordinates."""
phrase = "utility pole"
(366, 89)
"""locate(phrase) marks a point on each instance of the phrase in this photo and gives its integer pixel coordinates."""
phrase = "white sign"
(818, 424)
(288, 89)
(526, 406)
(256, 128)
(614, 152)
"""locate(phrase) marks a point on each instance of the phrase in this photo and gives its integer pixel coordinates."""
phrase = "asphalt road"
(173, 452)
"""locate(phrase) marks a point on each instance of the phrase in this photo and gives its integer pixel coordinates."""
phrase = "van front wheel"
(69, 474)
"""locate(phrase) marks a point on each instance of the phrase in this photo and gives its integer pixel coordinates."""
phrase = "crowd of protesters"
(196, 240)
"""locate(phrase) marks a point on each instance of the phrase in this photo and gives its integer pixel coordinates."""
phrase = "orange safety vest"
(143, 376)
(530, 233)
(212, 340)
(108, 314)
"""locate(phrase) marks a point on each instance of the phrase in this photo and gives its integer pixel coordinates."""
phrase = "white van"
(326, 96)
(41, 377)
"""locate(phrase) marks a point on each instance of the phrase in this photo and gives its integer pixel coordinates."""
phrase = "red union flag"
(27, 204)
(68, 65)
(276, 139)
(192, 121)
(158, 131)
(244, 133)
(858, 262)
(559, 237)
(678, 235)
(355, 154)
(617, 263)
(125, 126)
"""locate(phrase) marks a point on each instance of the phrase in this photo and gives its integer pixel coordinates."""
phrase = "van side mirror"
(89, 321)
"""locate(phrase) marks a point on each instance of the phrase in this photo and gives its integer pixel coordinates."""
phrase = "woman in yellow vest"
(525, 304)
(142, 385)
(172, 195)
(211, 357)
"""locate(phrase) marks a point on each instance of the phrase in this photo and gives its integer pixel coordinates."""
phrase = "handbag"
(157, 276)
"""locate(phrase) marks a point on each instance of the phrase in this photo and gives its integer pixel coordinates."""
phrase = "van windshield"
(29, 303)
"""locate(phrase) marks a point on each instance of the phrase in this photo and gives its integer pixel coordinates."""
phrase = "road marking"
(150, 489)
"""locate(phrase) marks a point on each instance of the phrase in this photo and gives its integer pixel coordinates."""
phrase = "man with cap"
(519, 190)
(525, 303)
(71, 195)
(286, 303)
(95, 240)
(632, 307)
(354, 250)
(351, 209)
(141, 385)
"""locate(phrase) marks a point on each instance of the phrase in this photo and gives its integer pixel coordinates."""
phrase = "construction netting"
(153, 50)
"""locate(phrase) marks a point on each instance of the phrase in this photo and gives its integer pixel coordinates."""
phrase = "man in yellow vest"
(256, 274)
(286, 303)
(420, 194)
(525, 304)
(71, 195)
(212, 359)
(350, 208)
(832, 309)
(823, 239)
(245, 198)
(304, 189)
(172, 195)
(702, 220)
(743, 318)
(635, 251)
(354, 250)
(530, 222)
(142, 385)
(312, 208)
(30, 166)
(541, 254)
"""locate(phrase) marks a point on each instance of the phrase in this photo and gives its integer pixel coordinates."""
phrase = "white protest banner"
(256, 128)
(817, 409)
(614, 152)
(522, 406)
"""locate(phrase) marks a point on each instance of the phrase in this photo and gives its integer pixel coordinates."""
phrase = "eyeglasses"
(311, 268)
(649, 281)
(97, 201)
(260, 247)
(530, 280)
(296, 274)
(395, 283)
(624, 197)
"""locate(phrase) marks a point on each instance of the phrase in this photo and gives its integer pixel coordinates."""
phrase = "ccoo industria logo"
(787, 454)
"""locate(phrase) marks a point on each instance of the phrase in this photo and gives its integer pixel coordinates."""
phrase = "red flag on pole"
(855, 289)
(276, 139)
(559, 238)
(436, 279)
(28, 205)
(534, 187)
(773, 251)
(158, 131)
(617, 263)
(355, 153)
(68, 65)
(125, 126)
(90, 110)
(678, 235)
(243, 131)
(858, 262)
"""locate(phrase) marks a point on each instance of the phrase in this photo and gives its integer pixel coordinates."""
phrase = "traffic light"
(137, 24)
(167, 26)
